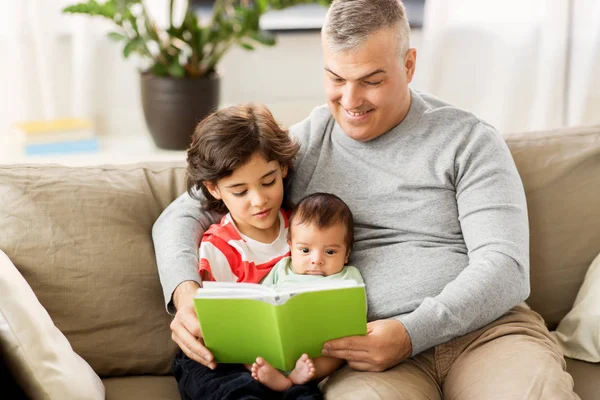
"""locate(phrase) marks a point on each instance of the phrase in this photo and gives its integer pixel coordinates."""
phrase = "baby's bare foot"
(263, 372)
(304, 371)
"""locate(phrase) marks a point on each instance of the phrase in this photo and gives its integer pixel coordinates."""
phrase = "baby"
(321, 233)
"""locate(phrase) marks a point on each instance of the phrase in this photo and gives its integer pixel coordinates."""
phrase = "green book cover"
(242, 321)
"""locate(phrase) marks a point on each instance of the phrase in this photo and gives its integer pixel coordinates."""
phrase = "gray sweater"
(441, 229)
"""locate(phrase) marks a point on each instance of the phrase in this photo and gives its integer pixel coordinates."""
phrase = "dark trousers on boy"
(230, 382)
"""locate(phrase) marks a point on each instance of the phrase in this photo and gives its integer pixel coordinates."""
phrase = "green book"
(242, 321)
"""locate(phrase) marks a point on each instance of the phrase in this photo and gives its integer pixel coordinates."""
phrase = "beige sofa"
(81, 237)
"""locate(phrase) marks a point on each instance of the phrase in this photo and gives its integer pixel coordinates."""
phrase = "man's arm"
(493, 217)
(492, 212)
(176, 234)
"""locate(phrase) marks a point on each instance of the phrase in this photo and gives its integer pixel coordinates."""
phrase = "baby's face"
(318, 251)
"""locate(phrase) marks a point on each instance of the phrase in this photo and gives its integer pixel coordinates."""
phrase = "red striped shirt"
(226, 255)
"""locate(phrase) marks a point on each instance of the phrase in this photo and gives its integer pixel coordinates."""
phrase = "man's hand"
(386, 345)
(185, 328)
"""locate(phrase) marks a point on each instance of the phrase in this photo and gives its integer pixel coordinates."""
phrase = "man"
(440, 225)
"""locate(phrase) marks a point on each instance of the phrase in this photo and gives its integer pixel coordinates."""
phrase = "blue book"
(68, 147)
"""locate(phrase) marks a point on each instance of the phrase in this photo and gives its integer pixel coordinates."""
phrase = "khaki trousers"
(512, 358)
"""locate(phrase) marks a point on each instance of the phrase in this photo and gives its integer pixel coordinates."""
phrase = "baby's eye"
(269, 183)
(304, 250)
(330, 252)
(240, 194)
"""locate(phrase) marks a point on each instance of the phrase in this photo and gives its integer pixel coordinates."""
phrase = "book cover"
(75, 146)
(57, 125)
(56, 137)
(242, 321)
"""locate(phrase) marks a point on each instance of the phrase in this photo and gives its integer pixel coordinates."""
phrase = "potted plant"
(179, 80)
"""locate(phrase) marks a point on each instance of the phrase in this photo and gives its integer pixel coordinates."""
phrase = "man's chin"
(360, 135)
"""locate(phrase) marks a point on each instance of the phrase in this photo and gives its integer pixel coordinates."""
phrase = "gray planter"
(173, 107)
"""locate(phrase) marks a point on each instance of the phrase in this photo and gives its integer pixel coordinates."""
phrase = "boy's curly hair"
(226, 140)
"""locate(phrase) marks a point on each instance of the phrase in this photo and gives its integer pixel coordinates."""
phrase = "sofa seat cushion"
(141, 388)
(82, 238)
(587, 378)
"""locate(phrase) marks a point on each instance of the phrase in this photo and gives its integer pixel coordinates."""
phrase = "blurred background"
(520, 65)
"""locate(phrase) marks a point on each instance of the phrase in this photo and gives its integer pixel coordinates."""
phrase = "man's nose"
(351, 97)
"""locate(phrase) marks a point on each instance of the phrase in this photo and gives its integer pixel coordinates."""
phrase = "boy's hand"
(386, 345)
(185, 328)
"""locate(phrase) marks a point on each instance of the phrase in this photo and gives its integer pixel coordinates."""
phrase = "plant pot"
(173, 107)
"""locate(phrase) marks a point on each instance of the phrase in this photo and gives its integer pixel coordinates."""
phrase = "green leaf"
(262, 6)
(159, 69)
(247, 46)
(264, 38)
(92, 8)
(176, 70)
(132, 46)
(116, 36)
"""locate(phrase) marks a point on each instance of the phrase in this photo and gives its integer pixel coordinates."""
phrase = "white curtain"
(62, 66)
(520, 65)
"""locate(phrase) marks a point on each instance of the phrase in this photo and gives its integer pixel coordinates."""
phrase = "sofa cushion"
(141, 388)
(36, 353)
(560, 171)
(585, 375)
(579, 331)
(82, 239)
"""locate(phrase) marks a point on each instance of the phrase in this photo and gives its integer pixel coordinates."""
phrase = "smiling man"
(441, 231)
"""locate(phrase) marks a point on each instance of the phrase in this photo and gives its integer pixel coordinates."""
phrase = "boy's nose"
(259, 200)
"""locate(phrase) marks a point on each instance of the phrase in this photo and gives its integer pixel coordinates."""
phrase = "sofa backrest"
(81, 237)
(560, 170)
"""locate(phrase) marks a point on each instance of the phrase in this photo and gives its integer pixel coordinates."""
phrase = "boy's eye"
(270, 183)
(304, 250)
(240, 194)
(330, 252)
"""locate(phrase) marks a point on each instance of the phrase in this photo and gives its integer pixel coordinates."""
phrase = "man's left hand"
(385, 345)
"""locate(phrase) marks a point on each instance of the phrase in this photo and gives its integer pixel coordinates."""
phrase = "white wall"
(287, 77)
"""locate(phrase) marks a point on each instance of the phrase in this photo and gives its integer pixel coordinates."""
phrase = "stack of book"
(59, 136)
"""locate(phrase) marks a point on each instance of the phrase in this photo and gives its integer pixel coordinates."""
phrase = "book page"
(253, 291)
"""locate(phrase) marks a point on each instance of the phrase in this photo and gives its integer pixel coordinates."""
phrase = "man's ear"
(212, 189)
(410, 63)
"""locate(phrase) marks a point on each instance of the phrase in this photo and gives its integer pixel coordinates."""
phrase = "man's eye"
(337, 80)
(269, 183)
(330, 252)
(373, 83)
(304, 250)
(240, 194)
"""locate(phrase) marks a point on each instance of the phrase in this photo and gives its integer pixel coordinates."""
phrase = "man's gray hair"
(349, 23)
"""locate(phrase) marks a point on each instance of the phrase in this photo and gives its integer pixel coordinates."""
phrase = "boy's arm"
(176, 234)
